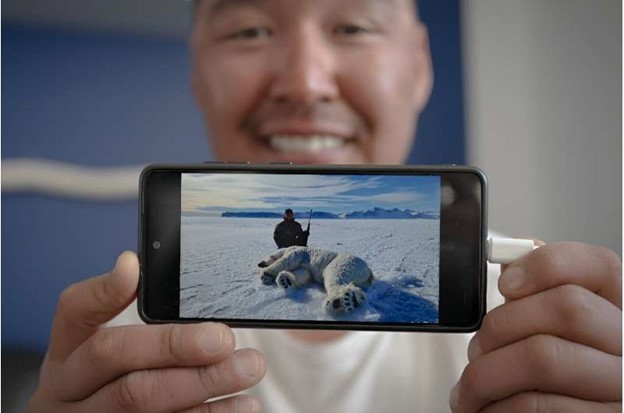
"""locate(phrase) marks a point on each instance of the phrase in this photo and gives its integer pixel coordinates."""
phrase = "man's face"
(310, 81)
(289, 216)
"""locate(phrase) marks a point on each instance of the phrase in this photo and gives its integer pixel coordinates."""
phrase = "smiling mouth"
(306, 144)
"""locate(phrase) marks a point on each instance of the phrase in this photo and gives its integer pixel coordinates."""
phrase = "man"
(336, 81)
(289, 232)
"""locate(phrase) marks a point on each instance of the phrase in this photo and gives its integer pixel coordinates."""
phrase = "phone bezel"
(155, 304)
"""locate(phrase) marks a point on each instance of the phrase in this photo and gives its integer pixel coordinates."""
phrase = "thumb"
(84, 306)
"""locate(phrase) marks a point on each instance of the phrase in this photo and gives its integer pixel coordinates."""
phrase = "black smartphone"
(397, 248)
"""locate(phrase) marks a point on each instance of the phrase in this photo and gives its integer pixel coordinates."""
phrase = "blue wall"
(107, 100)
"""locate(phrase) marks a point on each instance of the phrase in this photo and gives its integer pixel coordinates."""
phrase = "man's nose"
(307, 71)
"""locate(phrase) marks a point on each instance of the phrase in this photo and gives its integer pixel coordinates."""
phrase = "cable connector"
(507, 250)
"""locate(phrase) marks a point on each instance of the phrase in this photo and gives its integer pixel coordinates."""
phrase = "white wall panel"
(544, 115)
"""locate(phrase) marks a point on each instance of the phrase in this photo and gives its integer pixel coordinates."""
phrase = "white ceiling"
(168, 18)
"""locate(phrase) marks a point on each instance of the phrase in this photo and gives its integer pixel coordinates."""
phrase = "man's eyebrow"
(221, 5)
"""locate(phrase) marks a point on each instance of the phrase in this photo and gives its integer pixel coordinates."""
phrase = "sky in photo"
(212, 194)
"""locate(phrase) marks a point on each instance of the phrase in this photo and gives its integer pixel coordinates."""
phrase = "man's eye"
(351, 29)
(251, 33)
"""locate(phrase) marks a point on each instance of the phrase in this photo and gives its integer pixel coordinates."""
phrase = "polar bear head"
(272, 258)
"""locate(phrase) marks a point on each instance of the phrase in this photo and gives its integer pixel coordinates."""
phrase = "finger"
(545, 402)
(540, 363)
(595, 268)
(166, 390)
(112, 352)
(83, 306)
(536, 242)
(236, 404)
(567, 311)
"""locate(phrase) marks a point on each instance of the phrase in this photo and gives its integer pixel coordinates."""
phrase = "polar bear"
(342, 275)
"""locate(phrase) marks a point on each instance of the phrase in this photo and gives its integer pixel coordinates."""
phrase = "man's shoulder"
(288, 224)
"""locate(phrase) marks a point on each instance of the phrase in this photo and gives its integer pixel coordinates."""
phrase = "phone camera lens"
(156, 245)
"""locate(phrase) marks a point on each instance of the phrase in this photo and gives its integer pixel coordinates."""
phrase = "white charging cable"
(507, 250)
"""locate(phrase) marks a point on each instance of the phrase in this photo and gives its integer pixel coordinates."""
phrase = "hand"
(556, 343)
(155, 368)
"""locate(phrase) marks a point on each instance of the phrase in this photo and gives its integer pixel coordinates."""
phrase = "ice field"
(219, 273)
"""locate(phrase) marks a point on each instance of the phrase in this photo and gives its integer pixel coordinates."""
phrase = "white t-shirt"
(361, 372)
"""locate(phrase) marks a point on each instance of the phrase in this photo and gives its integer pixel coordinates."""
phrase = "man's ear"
(424, 68)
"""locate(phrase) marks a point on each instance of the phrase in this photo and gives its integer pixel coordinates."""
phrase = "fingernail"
(454, 397)
(474, 349)
(124, 256)
(512, 279)
(118, 262)
(247, 405)
(247, 363)
(211, 338)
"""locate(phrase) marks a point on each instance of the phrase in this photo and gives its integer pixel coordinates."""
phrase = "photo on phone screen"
(357, 248)
(374, 247)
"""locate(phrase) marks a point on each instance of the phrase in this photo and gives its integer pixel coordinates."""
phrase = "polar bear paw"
(266, 278)
(346, 302)
(285, 280)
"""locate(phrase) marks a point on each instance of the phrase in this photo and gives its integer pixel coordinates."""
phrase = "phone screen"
(352, 248)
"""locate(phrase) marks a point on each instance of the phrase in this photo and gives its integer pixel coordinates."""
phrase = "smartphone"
(396, 248)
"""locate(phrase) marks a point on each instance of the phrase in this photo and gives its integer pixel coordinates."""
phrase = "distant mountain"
(298, 215)
(380, 213)
(317, 214)
(427, 215)
(375, 213)
(251, 215)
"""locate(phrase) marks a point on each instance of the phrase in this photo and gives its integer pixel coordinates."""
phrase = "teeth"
(305, 143)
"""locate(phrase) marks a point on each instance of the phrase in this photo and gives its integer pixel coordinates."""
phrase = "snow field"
(219, 273)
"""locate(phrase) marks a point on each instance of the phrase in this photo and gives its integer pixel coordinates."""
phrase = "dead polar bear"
(343, 275)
